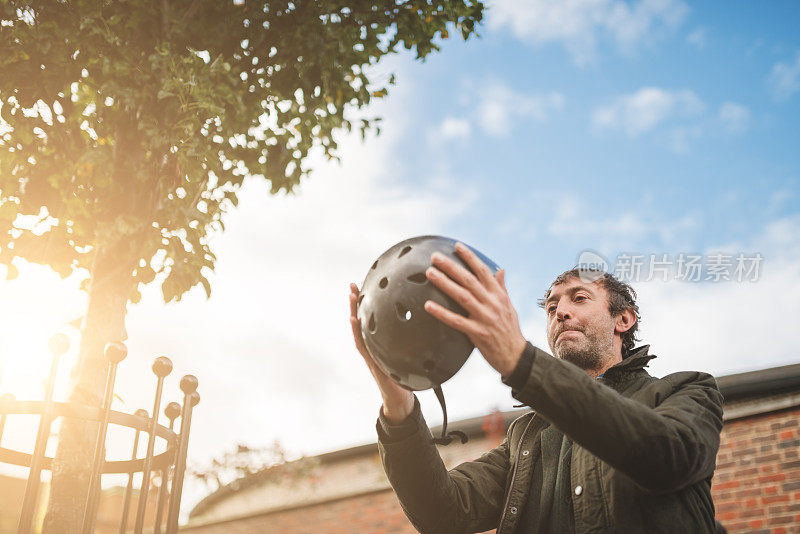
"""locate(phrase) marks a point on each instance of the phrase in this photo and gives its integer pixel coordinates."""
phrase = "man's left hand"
(492, 323)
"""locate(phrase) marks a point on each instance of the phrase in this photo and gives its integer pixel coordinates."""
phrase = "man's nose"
(562, 312)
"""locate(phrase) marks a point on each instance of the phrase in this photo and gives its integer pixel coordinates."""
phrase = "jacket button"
(525, 453)
(578, 490)
(513, 510)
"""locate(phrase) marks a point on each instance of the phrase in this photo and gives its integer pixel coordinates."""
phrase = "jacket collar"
(637, 359)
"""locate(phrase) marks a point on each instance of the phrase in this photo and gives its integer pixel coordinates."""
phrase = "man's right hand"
(397, 401)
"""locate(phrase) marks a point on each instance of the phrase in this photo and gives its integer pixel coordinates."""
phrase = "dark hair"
(621, 297)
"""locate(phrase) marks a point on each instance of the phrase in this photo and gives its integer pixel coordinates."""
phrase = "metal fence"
(170, 465)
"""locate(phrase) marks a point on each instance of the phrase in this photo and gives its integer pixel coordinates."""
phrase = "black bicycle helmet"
(417, 350)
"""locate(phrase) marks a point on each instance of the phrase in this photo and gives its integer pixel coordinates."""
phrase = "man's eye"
(551, 309)
(579, 298)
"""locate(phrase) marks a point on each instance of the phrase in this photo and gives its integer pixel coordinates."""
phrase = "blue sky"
(644, 127)
(699, 139)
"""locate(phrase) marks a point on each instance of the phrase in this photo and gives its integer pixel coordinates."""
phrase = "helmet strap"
(446, 437)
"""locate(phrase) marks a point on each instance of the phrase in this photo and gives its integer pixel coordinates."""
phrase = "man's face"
(580, 328)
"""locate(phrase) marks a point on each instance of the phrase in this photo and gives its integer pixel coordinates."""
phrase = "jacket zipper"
(514, 473)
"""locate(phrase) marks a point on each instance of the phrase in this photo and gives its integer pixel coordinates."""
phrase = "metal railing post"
(172, 411)
(59, 344)
(171, 462)
(126, 502)
(162, 366)
(115, 353)
(190, 399)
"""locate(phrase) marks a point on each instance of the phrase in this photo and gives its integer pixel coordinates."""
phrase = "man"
(608, 448)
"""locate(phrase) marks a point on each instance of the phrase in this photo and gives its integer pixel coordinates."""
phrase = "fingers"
(477, 266)
(452, 319)
(354, 322)
(353, 300)
(357, 337)
(354, 289)
(500, 276)
(460, 275)
(458, 293)
(392, 393)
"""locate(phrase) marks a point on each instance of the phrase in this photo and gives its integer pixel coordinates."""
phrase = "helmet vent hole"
(417, 278)
(428, 365)
(374, 265)
(383, 283)
(405, 251)
(360, 298)
(371, 324)
(403, 313)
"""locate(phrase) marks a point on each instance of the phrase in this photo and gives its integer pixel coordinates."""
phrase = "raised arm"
(467, 498)
(662, 448)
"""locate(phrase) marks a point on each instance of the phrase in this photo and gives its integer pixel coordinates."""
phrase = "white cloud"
(272, 347)
(572, 219)
(734, 117)
(679, 116)
(780, 199)
(723, 327)
(697, 38)
(785, 79)
(681, 139)
(500, 107)
(727, 327)
(276, 325)
(646, 109)
(579, 24)
(453, 128)
(496, 109)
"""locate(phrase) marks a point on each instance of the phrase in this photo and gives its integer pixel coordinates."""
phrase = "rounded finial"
(194, 398)
(162, 366)
(116, 351)
(172, 411)
(58, 344)
(189, 384)
(141, 412)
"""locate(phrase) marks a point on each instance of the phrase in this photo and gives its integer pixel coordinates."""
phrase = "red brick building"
(756, 486)
(757, 482)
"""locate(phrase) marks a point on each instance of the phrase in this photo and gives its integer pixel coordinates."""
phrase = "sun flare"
(33, 307)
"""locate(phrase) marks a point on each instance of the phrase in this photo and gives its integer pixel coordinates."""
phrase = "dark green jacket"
(643, 455)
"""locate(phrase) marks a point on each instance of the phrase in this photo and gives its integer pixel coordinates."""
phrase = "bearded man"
(607, 447)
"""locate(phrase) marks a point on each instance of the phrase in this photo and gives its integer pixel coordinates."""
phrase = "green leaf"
(12, 272)
(156, 129)
(206, 286)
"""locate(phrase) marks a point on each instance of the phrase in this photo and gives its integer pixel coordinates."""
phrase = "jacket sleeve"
(468, 498)
(662, 449)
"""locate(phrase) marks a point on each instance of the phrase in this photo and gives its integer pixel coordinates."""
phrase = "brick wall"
(756, 489)
(756, 486)
(376, 513)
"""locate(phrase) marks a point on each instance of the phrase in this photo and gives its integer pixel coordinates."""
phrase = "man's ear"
(624, 321)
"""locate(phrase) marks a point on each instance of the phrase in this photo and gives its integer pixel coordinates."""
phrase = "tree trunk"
(104, 322)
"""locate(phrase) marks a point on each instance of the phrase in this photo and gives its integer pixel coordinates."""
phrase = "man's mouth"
(564, 332)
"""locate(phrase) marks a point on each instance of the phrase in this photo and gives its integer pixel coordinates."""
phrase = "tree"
(128, 126)
(245, 464)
